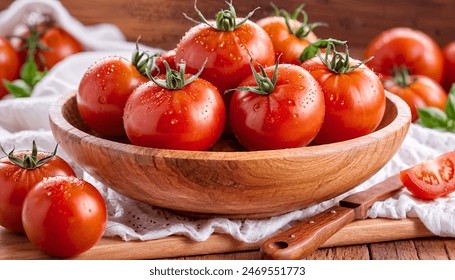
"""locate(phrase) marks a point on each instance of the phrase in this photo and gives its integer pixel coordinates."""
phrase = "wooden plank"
(431, 249)
(378, 230)
(14, 246)
(450, 248)
(399, 250)
(355, 252)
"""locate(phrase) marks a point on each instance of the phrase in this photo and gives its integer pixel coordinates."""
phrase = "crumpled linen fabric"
(24, 120)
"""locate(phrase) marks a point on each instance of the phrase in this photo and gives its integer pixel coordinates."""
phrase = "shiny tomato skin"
(421, 92)
(160, 67)
(449, 65)
(402, 46)
(102, 94)
(431, 179)
(354, 102)
(64, 216)
(286, 44)
(16, 182)
(60, 43)
(289, 117)
(191, 118)
(9, 64)
(227, 52)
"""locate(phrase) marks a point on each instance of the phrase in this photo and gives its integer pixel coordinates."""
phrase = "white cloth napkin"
(22, 120)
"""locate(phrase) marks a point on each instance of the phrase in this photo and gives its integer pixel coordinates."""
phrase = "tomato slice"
(432, 178)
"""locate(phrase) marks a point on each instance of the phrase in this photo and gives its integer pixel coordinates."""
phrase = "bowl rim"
(403, 119)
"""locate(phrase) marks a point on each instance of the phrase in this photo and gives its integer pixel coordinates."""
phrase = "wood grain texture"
(231, 184)
(160, 23)
(16, 246)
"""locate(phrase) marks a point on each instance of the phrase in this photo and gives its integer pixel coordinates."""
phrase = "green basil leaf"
(39, 75)
(450, 105)
(18, 88)
(28, 72)
(432, 117)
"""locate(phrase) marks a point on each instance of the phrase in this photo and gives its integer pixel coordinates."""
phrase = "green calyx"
(305, 27)
(141, 59)
(337, 62)
(226, 20)
(265, 85)
(401, 76)
(174, 79)
(29, 161)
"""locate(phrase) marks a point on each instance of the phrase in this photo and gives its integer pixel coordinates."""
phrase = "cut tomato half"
(432, 178)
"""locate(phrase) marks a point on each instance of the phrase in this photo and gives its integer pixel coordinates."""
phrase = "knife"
(307, 236)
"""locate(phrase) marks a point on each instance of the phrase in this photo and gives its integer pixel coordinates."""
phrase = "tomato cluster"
(232, 77)
(41, 196)
(413, 66)
(41, 47)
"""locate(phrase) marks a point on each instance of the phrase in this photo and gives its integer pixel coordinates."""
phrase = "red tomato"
(9, 64)
(449, 65)
(54, 45)
(227, 50)
(418, 91)
(160, 68)
(16, 180)
(354, 101)
(288, 41)
(431, 179)
(102, 94)
(60, 44)
(188, 118)
(407, 47)
(64, 216)
(287, 115)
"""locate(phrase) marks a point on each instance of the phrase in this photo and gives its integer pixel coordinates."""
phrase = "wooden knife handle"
(307, 236)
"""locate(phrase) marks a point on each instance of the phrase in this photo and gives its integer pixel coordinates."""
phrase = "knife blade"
(307, 236)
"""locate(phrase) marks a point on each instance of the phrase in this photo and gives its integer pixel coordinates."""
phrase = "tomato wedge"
(432, 178)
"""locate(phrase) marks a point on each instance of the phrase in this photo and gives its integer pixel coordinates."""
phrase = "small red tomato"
(449, 65)
(354, 95)
(182, 112)
(19, 172)
(227, 45)
(405, 47)
(289, 35)
(418, 91)
(64, 216)
(282, 109)
(102, 94)
(9, 64)
(160, 67)
(60, 44)
(52, 44)
(432, 178)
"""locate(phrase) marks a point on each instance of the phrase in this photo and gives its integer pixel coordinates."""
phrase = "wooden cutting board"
(16, 246)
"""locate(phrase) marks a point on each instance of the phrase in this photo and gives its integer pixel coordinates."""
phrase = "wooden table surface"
(371, 239)
(433, 248)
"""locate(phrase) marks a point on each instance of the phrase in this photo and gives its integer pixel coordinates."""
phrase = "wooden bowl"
(235, 184)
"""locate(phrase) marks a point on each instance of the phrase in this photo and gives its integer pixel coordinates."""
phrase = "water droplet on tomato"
(102, 99)
(174, 121)
(256, 107)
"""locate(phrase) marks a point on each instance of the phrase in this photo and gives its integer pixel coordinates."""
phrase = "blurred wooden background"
(160, 23)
